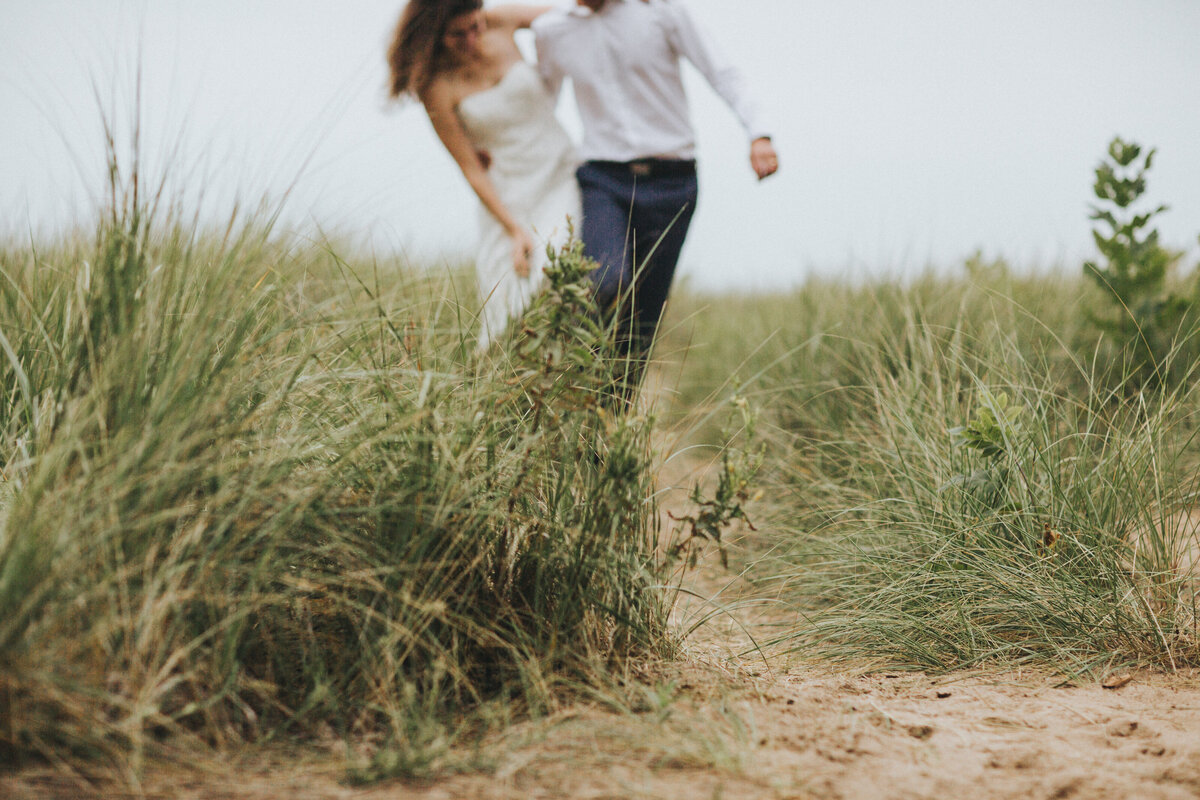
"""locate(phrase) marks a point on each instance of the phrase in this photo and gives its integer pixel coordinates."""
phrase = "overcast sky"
(910, 132)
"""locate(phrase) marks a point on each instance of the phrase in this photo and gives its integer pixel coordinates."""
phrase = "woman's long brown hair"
(416, 53)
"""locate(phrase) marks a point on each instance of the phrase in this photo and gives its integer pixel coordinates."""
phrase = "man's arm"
(727, 81)
(544, 38)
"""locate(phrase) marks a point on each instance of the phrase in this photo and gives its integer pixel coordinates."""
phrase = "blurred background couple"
(631, 185)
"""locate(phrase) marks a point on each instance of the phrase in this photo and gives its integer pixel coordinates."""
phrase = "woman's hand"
(522, 249)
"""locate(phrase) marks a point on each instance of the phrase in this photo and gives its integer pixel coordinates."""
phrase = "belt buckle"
(640, 169)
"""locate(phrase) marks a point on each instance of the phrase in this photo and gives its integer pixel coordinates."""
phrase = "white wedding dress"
(533, 169)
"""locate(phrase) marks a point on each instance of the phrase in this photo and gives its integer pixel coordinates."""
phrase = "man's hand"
(763, 158)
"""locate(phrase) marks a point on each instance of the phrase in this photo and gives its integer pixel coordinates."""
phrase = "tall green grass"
(250, 489)
(900, 541)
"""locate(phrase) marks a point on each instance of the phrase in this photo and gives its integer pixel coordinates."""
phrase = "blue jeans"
(635, 218)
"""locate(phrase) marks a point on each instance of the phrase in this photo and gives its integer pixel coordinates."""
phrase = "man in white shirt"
(638, 179)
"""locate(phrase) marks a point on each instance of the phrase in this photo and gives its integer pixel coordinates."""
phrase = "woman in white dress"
(495, 117)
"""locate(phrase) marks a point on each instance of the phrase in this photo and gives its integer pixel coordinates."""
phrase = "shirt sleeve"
(694, 44)
(547, 64)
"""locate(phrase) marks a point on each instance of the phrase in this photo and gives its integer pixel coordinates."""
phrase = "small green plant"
(994, 428)
(739, 470)
(993, 433)
(1145, 318)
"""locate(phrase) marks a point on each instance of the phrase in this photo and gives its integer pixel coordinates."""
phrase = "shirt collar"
(583, 11)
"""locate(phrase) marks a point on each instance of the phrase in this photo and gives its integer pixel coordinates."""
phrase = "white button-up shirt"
(624, 63)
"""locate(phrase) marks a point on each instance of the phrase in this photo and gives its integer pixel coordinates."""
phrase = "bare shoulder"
(497, 42)
(499, 52)
(441, 95)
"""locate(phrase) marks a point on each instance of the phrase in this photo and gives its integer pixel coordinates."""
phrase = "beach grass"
(965, 472)
(254, 489)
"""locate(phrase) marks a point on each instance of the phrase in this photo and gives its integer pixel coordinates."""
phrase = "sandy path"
(726, 726)
(988, 737)
(799, 735)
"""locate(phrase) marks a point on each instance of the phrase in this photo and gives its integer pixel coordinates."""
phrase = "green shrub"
(1145, 320)
(248, 493)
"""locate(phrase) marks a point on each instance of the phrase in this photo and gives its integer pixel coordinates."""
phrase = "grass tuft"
(965, 474)
(253, 489)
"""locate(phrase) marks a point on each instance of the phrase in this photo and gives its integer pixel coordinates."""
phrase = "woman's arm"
(439, 104)
(514, 16)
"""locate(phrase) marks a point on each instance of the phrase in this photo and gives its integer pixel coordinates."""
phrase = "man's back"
(624, 65)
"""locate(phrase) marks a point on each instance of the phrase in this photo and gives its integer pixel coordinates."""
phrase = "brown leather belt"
(650, 167)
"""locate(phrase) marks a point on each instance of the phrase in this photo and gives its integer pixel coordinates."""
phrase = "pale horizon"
(910, 133)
